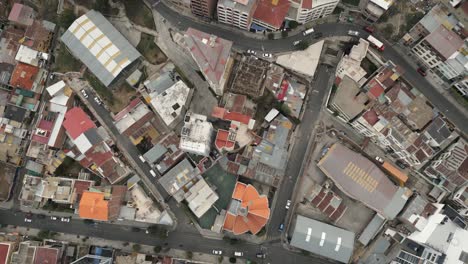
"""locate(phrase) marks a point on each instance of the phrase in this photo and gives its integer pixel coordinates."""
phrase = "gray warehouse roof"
(323, 239)
(362, 180)
(99, 45)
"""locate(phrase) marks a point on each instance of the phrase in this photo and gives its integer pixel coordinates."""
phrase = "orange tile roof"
(256, 207)
(93, 206)
(24, 76)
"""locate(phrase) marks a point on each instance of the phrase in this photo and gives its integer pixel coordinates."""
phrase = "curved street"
(242, 41)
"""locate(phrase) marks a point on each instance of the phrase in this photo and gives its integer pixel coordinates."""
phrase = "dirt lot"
(139, 13)
(122, 97)
(150, 50)
(398, 20)
(7, 175)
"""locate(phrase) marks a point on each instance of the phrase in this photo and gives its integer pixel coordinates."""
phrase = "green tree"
(136, 247)
(157, 249)
(232, 260)
(388, 31)
(101, 6)
(189, 254)
(46, 234)
(293, 24)
(66, 18)
(220, 259)
(271, 36)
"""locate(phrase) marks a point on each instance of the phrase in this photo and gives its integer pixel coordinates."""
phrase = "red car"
(369, 29)
(422, 71)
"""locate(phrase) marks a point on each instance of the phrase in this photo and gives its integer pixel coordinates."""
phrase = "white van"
(307, 32)
(142, 159)
(153, 173)
(238, 254)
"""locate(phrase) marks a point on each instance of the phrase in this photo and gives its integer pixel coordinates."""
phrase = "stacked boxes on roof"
(196, 134)
(372, 10)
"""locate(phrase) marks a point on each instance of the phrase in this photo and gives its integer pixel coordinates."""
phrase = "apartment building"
(270, 14)
(304, 11)
(237, 13)
(203, 8)
(373, 9)
(462, 86)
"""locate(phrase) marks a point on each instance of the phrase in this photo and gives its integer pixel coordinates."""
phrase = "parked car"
(27, 220)
(252, 52)
(281, 227)
(260, 255)
(217, 252)
(288, 204)
(98, 101)
(152, 173)
(53, 218)
(142, 159)
(238, 254)
(422, 71)
(401, 164)
(295, 43)
(353, 33)
(65, 219)
(379, 159)
(85, 94)
(267, 55)
(369, 29)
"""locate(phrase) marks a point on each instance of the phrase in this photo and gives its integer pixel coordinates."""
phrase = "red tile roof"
(371, 117)
(93, 206)
(222, 113)
(4, 250)
(222, 140)
(77, 122)
(270, 13)
(23, 76)
(375, 91)
(307, 4)
(45, 255)
(256, 211)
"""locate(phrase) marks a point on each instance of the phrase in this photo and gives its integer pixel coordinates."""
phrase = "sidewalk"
(123, 246)
(441, 86)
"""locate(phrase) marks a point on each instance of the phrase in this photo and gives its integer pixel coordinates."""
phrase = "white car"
(97, 100)
(85, 94)
(267, 55)
(28, 220)
(353, 33)
(152, 173)
(65, 219)
(217, 252)
(288, 204)
(251, 52)
(53, 218)
(295, 43)
(379, 159)
(238, 254)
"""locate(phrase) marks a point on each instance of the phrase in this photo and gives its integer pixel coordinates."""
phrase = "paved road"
(177, 239)
(312, 110)
(332, 29)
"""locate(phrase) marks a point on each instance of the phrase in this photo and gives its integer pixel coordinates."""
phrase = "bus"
(376, 43)
(307, 32)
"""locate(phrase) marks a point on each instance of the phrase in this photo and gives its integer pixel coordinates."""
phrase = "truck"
(376, 43)
(307, 32)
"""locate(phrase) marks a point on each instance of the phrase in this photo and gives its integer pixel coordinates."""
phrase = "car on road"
(401, 164)
(369, 29)
(295, 43)
(53, 218)
(267, 55)
(238, 254)
(98, 101)
(65, 219)
(260, 255)
(422, 71)
(308, 31)
(142, 159)
(84, 93)
(288, 204)
(353, 33)
(152, 173)
(281, 227)
(27, 220)
(379, 159)
(217, 252)
(252, 52)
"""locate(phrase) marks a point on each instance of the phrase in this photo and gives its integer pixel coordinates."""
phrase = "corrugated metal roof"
(99, 45)
(323, 239)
